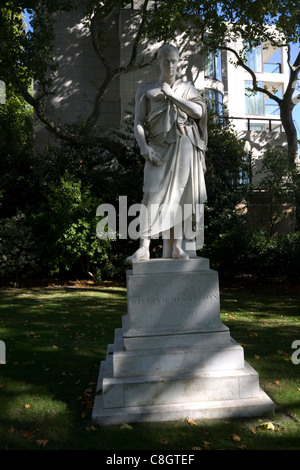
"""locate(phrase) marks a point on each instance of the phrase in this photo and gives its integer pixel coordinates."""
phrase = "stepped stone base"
(237, 408)
(173, 358)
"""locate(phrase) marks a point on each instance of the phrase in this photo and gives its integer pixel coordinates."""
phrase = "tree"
(18, 253)
(16, 144)
(28, 55)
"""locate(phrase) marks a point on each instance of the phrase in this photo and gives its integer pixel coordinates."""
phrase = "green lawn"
(56, 337)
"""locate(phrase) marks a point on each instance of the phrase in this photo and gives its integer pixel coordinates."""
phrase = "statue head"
(168, 57)
(167, 49)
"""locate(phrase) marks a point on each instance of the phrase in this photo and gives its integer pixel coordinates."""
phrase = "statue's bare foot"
(179, 253)
(142, 253)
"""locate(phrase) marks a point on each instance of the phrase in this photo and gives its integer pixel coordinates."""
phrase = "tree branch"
(253, 75)
(115, 147)
(112, 74)
(96, 40)
(138, 36)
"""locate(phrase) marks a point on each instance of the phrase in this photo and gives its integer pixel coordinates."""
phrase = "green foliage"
(241, 252)
(73, 181)
(107, 176)
(26, 54)
(67, 219)
(277, 183)
(267, 258)
(18, 254)
(227, 180)
(232, 246)
(16, 147)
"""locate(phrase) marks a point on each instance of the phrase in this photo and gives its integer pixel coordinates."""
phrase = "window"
(213, 65)
(255, 127)
(214, 100)
(244, 176)
(267, 125)
(271, 107)
(273, 63)
(254, 102)
(264, 62)
(254, 59)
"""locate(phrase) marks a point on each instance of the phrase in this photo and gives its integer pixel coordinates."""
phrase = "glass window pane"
(254, 59)
(257, 127)
(218, 66)
(209, 65)
(213, 65)
(214, 100)
(254, 102)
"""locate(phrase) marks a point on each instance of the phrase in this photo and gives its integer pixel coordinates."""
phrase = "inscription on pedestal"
(170, 300)
(190, 300)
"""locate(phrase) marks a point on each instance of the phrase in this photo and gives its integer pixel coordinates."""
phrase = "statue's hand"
(151, 156)
(167, 90)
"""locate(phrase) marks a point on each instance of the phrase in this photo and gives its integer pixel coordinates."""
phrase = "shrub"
(67, 220)
(18, 255)
(277, 184)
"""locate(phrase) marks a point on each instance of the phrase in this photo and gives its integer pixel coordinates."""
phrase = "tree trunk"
(286, 115)
(286, 110)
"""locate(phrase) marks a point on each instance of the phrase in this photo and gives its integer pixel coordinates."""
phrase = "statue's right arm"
(140, 118)
(147, 152)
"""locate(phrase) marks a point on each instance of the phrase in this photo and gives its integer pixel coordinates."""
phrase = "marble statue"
(171, 131)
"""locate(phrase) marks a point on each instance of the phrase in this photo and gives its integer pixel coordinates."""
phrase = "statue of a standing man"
(174, 114)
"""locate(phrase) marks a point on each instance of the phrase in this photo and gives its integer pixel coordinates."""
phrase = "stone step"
(220, 409)
(161, 265)
(161, 361)
(180, 388)
(217, 335)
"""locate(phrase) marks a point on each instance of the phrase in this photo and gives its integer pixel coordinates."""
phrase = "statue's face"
(168, 64)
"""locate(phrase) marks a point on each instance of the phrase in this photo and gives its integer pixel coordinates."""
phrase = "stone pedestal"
(173, 358)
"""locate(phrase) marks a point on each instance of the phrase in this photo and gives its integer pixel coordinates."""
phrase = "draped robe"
(174, 191)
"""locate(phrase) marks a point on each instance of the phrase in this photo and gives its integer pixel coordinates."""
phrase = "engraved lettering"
(165, 300)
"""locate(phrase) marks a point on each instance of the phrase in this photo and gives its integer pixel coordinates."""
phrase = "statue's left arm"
(192, 109)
